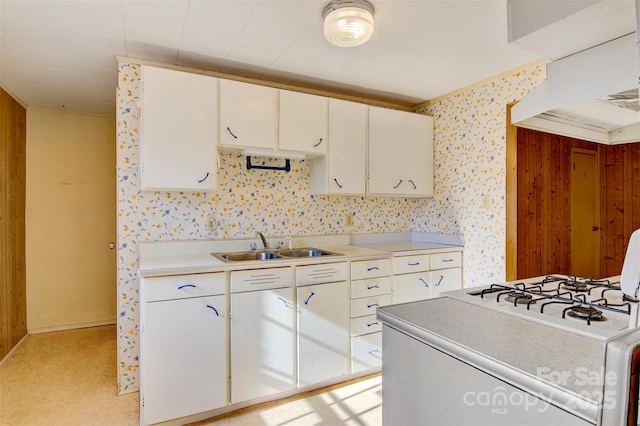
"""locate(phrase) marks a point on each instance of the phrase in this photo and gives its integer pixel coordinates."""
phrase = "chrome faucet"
(264, 241)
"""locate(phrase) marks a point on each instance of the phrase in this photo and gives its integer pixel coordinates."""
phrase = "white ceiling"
(61, 54)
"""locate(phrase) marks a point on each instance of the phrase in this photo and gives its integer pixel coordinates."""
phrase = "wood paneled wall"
(619, 203)
(13, 318)
(543, 202)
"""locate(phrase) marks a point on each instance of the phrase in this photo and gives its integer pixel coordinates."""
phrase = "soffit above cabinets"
(559, 28)
(592, 95)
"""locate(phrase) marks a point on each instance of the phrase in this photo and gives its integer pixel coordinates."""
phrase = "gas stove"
(593, 308)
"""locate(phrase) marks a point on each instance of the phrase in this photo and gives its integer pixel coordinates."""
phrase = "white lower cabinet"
(370, 289)
(366, 352)
(262, 343)
(183, 350)
(419, 277)
(323, 332)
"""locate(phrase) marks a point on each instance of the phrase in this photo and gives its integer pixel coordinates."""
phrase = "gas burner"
(588, 313)
(519, 297)
(578, 286)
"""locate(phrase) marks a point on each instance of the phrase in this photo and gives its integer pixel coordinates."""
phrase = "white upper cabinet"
(343, 171)
(178, 130)
(303, 122)
(400, 153)
(248, 115)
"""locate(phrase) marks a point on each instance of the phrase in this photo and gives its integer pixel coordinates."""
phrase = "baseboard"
(70, 327)
(13, 349)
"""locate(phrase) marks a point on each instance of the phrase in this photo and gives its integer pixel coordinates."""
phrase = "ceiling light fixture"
(348, 23)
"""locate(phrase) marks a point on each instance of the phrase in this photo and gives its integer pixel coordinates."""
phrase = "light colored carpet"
(65, 378)
(68, 378)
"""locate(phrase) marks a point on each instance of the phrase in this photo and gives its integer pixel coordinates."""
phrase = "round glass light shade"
(348, 26)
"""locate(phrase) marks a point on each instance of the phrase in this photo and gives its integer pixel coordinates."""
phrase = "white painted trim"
(71, 326)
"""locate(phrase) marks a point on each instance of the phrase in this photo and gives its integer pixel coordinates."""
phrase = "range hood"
(590, 95)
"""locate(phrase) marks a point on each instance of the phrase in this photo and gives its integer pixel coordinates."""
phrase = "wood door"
(584, 213)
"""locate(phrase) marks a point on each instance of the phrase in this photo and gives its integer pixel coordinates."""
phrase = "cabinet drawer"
(408, 264)
(365, 325)
(363, 269)
(323, 273)
(446, 260)
(366, 352)
(372, 287)
(260, 279)
(182, 286)
(368, 305)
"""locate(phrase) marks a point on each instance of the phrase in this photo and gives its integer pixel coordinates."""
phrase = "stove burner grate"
(518, 297)
(588, 313)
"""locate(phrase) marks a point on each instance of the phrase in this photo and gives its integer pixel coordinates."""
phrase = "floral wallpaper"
(469, 162)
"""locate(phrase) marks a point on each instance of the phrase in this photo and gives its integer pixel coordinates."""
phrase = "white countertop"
(205, 262)
(403, 248)
(186, 263)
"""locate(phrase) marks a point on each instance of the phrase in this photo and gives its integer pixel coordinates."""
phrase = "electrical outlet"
(212, 222)
(348, 219)
(486, 201)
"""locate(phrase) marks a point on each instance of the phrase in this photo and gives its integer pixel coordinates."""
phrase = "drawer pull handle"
(306, 302)
(204, 178)
(369, 324)
(283, 301)
(372, 305)
(315, 145)
(413, 264)
(214, 310)
(372, 286)
(337, 183)
(447, 260)
(186, 285)
(373, 268)
(425, 283)
(439, 280)
(231, 133)
(413, 184)
(372, 351)
(396, 187)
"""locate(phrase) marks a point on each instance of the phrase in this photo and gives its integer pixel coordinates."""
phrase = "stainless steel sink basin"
(305, 252)
(245, 256)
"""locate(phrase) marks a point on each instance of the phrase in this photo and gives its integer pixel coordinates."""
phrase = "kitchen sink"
(305, 252)
(245, 256)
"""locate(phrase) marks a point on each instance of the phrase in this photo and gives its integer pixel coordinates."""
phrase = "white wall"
(70, 220)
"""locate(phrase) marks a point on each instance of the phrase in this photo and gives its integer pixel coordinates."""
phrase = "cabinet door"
(303, 122)
(178, 130)
(411, 287)
(343, 171)
(419, 155)
(366, 352)
(445, 280)
(347, 147)
(323, 332)
(248, 115)
(386, 151)
(183, 357)
(262, 343)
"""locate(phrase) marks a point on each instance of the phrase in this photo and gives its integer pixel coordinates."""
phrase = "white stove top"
(616, 318)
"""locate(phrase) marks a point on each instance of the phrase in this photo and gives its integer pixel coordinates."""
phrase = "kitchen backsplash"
(469, 160)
